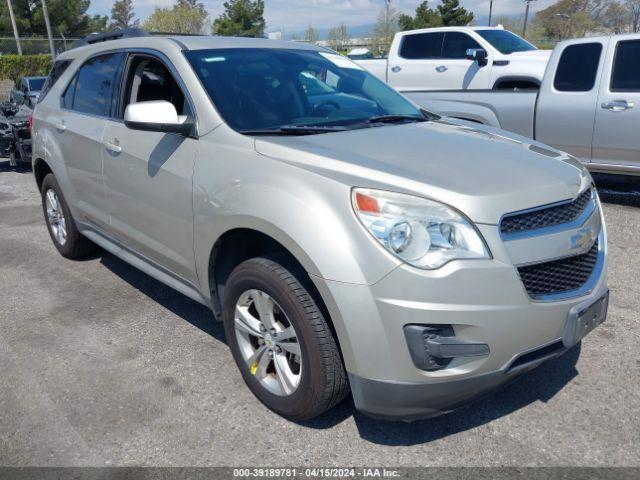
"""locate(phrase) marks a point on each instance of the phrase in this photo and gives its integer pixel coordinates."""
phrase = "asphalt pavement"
(102, 365)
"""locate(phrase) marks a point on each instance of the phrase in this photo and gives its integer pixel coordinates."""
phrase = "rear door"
(565, 112)
(85, 106)
(148, 175)
(414, 67)
(616, 139)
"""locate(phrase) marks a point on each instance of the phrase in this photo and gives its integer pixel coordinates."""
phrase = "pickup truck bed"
(514, 111)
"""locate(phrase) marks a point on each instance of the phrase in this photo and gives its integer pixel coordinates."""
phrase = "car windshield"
(35, 84)
(505, 41)
(259, 89)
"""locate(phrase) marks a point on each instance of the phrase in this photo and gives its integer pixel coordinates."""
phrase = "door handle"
(396, 69)
(441, 68)
(61, 127)
(113, 147)
(617, 105)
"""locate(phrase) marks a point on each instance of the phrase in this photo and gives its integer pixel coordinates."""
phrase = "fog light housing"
(433, 347)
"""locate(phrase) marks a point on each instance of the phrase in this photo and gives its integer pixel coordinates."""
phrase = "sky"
(295, 15)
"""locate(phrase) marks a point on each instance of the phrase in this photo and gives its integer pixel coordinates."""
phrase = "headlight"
(421, 232)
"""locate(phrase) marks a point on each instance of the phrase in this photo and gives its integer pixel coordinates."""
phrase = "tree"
(453, 14)
(67, 16)
(634, 10)
(569, 18)
(425, 17)
(311, 35)
(383, 32)
(241, 18)
(338, 38)
(183, 17)
(616, 17)
(122, 15)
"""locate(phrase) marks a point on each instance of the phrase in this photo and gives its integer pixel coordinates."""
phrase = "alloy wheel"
(268, 342)
(55, 217)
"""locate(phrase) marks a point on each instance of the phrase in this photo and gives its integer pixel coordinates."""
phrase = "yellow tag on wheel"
(254, 368)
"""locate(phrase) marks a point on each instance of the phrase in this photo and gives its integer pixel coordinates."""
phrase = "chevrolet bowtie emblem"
(583, 239)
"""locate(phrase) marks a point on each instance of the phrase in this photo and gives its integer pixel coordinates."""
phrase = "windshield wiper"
(295, 130)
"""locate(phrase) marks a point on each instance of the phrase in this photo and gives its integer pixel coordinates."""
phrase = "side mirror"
(156, 116)
(477, 54)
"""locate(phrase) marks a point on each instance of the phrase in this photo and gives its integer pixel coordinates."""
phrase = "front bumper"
(485, 303)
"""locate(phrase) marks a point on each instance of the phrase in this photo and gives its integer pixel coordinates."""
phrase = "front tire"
(61, 225)
(280, 340)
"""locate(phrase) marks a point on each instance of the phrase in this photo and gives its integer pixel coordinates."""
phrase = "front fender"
(307, 213)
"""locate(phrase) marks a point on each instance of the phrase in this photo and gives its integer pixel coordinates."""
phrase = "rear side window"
(92, 89)
(626, 67)
(56, 72)
(422, 46)
(456, 45)
(578, 67)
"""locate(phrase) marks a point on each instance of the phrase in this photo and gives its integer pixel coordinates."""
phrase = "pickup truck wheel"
(62, 228)
(281, 342)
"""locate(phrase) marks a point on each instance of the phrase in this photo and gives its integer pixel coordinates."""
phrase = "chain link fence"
(34, 45)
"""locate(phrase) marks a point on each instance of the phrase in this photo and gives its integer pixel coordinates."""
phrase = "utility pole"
(526, 17)
(45, 13)
(490, 10)
(15, 28)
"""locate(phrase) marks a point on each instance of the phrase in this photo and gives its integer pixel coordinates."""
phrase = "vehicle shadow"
(196, 314)
(618, 189)
(540, 384)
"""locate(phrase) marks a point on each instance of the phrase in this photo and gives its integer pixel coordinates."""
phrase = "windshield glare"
(505, 41)
(264, 89)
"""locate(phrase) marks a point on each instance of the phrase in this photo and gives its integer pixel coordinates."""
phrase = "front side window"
(456, 44)
(505, 41)
(257, 89)
(149, 79)
(578, 67)
(626, 67)
(422, 46)
(93, 87)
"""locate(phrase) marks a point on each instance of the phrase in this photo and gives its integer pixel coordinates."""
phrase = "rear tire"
(62, 228)
(319, 376)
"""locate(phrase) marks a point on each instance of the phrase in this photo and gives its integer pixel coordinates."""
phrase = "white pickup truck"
(455, 58)
(588, 104)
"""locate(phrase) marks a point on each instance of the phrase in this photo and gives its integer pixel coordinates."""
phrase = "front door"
(148, 175)
(615, 139)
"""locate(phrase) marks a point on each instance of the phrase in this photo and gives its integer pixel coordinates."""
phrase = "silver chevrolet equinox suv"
(348, 240)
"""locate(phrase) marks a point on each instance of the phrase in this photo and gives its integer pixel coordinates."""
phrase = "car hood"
(481, 171)
(535, 55)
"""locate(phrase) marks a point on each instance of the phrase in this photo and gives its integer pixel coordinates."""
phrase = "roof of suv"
(188, 42)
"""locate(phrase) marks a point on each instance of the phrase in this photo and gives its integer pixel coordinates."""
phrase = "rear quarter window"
(578, 67)
(59, 67)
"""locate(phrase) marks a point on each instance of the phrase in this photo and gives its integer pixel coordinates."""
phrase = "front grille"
(559, 276)
(545, 217)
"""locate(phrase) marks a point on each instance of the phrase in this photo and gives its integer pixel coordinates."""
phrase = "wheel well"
(40, 170)
(236, 246)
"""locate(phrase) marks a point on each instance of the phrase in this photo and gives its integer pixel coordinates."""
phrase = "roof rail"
(114, 35)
